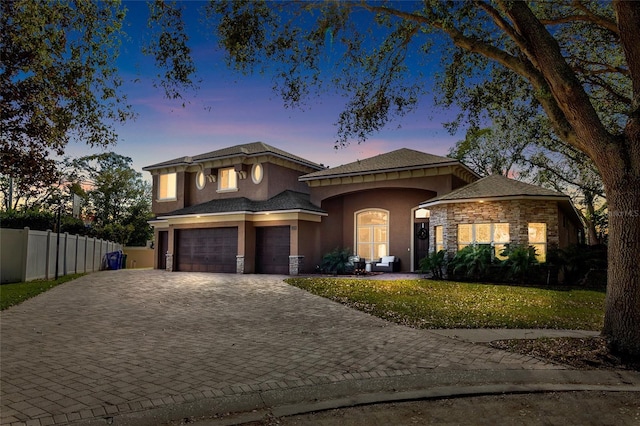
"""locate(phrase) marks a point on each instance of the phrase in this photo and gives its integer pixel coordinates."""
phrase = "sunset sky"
(230, 109)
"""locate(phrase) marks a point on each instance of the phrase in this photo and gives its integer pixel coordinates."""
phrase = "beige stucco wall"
(139, 257)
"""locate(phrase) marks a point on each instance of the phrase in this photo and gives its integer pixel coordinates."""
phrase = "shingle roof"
(401, 159)
(496, 186)
(245, 150)
(286, 200)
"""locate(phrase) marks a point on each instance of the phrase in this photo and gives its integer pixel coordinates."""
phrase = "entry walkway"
(147, 347)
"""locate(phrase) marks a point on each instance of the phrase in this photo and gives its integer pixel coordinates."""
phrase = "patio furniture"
(386, 264)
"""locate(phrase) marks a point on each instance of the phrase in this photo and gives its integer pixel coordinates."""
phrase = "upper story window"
(257, 172)
(227, 179)
(201, 180)
(167, 186)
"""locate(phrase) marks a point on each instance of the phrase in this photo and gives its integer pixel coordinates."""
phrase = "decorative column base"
(169, 259)
(296, 264)
(239, 264)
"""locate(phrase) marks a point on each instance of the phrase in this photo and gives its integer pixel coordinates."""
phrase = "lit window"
(200, 180)
(167, 186)
(256, 173)
(538, 240)
(496, 234)
(439, 238)
(227, 179)
(422, 214)
(372, 234)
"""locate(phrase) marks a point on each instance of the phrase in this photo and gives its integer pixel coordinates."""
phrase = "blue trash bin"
(113, 260)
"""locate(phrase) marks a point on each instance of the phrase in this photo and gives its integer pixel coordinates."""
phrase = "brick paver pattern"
(121, 341)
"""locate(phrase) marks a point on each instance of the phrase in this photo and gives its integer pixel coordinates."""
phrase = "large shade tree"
(58, 80)
(580, 59)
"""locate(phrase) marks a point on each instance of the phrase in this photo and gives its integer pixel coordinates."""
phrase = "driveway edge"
(255, 406)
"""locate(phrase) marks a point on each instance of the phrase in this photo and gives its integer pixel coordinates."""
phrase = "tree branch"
(564, 86)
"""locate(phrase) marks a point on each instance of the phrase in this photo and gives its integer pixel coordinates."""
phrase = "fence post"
(48, 251)
(25, 252)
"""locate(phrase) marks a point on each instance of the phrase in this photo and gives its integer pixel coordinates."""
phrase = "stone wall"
(518, 213)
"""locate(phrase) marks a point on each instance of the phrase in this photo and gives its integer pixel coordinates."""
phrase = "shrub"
(520, 261)
(37, 220)
(434, 263)
(472, 262)
(337, 261)
(578, 260)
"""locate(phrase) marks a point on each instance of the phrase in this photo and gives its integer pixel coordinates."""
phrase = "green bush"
(37, 220)
(337, 261)
(578, 260)
(434, 263)
(520, 261)
(472, 262)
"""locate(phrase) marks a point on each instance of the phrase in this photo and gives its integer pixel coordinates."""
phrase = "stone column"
(240, 264)
(296, 264)
(169, 257)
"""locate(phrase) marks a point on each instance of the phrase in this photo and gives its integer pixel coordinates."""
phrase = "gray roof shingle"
(497, 186)
(401, 159)
(245, 150)
(286, 200)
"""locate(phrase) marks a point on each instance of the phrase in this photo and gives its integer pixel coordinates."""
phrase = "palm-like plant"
(473, 261)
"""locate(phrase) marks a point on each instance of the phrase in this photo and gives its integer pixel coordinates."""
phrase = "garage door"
(272, 250)
(207, 250)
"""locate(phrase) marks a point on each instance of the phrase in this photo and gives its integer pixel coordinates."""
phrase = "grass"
(13, 294)
(446, 304)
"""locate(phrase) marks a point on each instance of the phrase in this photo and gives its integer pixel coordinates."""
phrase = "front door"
(420, 242)
(163, 246)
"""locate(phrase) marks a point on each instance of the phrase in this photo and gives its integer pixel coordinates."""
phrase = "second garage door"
(207, 250)
(272, 250)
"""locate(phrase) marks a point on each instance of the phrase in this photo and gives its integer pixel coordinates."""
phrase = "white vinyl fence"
(27, 255)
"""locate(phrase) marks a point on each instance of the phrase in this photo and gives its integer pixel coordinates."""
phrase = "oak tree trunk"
(622, 306)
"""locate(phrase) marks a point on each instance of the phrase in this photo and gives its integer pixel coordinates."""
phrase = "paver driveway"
(121, 341)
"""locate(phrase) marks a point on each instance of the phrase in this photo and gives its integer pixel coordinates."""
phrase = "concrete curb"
(255, 406)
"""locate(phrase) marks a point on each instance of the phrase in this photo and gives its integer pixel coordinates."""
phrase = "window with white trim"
(167, 186)
(439, 238)
(538, 240)
(496, 234)
(257, 173)
(227, 179)
(372, 234)
(201, 180)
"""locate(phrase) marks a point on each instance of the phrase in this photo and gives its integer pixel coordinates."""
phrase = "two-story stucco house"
(254, 208)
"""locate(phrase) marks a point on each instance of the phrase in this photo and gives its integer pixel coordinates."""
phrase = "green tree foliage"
(117, 198)
(58, 80)
(576, 61)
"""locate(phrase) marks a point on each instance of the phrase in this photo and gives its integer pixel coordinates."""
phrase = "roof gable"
(496, 186)
(243, 151)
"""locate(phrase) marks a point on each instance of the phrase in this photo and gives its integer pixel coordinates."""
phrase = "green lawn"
(12, 294)
(445, 304)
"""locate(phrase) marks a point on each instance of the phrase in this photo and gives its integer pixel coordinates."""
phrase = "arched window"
(372, 234)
